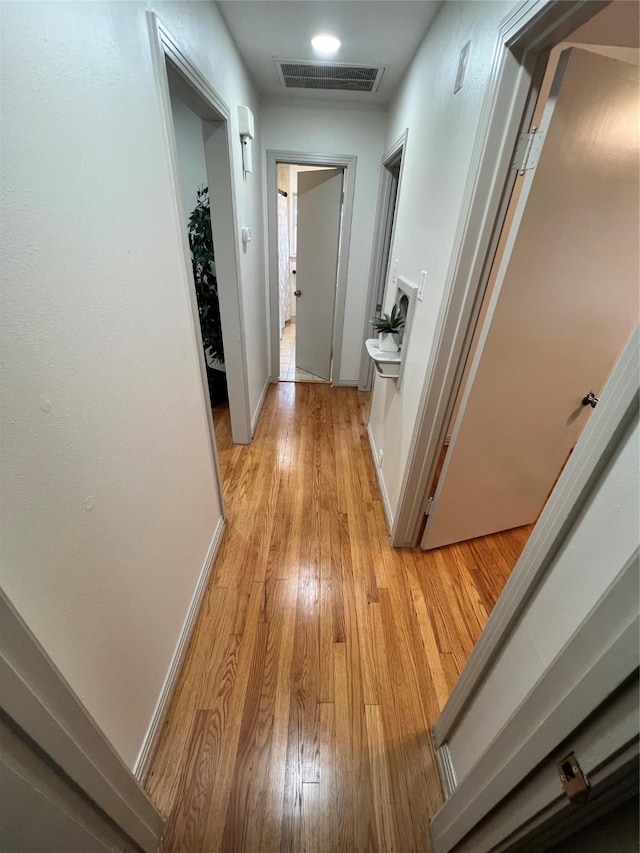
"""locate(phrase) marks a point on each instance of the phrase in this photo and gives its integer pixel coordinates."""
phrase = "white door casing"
(563, 306)
(319, 206)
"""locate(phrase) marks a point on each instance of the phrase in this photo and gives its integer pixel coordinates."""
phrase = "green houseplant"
(389, 328)
(206, 282)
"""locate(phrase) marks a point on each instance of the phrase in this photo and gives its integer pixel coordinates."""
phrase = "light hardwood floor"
(322, 656)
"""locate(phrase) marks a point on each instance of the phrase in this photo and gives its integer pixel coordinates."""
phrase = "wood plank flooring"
(322, 656)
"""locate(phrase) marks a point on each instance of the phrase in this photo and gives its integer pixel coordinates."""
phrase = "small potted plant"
(389, 327)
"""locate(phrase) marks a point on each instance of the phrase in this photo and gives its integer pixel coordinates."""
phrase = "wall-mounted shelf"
(389, 364)
(386, 363)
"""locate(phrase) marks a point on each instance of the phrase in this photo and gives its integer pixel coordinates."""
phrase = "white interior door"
(319, 204)
(564, 303)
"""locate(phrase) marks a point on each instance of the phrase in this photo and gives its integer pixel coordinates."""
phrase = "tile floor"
(288, 370)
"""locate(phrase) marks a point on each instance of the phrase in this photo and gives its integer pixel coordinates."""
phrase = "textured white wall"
(442, 129)
(586, 565)
(321, 129)
(109, 501)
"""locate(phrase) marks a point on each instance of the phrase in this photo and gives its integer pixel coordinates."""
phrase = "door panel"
(563, 306)
(319, 205)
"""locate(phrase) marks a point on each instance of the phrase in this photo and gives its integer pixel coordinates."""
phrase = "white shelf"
(387, 363)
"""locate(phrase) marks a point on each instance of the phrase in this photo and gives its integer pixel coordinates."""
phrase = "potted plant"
(204, 274)
(389, 328)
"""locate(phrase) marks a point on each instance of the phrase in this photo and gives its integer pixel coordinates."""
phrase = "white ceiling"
(372, 32)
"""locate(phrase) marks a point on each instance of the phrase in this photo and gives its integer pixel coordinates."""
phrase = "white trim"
(518, 213)
(145, 756)
(598, 442)
(446, 771)
(346, 383)
(381, 484)
(38, 699)
(538, 814)
(522, 42)
(601, 654)
(258, 411)
(339, 161)
(28, 776)
(206, 101)
(376, 273)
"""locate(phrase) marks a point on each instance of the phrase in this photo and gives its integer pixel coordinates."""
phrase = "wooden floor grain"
(322, 656)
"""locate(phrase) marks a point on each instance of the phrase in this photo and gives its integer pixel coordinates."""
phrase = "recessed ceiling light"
(325, 44)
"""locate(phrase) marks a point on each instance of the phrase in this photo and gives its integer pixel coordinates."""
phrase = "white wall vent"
(336, 76)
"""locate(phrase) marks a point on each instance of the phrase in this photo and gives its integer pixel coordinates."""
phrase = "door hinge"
(429, 505)
(574, 783)
(528, 151)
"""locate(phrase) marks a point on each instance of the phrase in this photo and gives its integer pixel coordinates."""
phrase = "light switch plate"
(462, 67)
(394, 272)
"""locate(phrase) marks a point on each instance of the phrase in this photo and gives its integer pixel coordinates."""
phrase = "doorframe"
(597, 660)
(36, 697)
(596, 446)
(347, 163)
(528, 33)
(378, 275)
(166, 53)
(523, 42)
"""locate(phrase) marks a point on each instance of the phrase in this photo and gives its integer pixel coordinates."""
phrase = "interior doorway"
(196, 206)
(390, 179)
(324, 194)
(309, 224)
(550, 332)
(185, 92)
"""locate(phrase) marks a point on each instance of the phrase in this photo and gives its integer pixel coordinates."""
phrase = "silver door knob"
(590, 400)
(297, 293)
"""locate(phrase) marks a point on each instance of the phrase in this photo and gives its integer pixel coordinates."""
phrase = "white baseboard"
(383, 489)
(145, 756)
(347, 383)
(258, 411)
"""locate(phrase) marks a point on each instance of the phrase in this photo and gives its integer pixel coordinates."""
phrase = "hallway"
(321, 656)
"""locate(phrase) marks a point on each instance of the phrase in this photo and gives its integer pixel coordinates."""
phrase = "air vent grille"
(335, 76)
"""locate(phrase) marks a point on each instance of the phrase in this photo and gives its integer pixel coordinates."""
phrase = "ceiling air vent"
(335, 76)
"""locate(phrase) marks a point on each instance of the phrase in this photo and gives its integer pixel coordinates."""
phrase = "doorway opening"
(309, 226)
(199, 140)
(189, 132)
(319, 232)
(549, 334)
(390, 180)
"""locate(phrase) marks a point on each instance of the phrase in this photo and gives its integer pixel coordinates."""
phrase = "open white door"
(565, 302)
(319, 204)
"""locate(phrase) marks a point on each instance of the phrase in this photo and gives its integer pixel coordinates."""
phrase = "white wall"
(585, 566)
(190, 151)
(442, 129)
(109, 500)
(318, 128)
